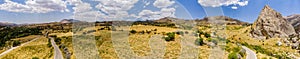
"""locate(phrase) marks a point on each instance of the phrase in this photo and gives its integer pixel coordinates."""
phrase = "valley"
(271, 36)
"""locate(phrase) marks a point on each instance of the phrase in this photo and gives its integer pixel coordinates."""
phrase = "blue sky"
(35, 12)
(248, 13)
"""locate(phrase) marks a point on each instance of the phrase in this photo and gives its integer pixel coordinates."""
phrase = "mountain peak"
(270, 24)
(267, 7)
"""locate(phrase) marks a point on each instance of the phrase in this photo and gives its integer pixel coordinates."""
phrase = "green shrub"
(207, 35)
(171, 36)
(16, 43)
(199, 41)
(49, 43)
(133, 31)
(35, 58)
(233, 55)
(200, 32)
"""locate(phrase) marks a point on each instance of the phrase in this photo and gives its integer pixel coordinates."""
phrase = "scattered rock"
(278, 43)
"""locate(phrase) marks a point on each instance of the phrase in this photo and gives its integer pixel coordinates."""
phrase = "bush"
(200, 32)
(233, 55)
(207, 35)
(57, 40)
(171, 36)
(133, 31)
(199, 41)
(35, 58)
(16, 43)
(49, 43)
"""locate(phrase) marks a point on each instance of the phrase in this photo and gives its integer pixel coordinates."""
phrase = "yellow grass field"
(37, 49)
(22, 40)
(139, 43)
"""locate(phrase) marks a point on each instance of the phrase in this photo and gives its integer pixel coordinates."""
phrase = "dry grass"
(242, 36)
(26, 39)
(36, 48)
(140, 42)
(22, 40)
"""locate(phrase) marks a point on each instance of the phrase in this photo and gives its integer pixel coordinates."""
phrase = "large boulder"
(271, 24)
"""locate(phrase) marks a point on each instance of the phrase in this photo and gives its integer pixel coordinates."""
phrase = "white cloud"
(234, 7)
(152, 15)
(35, 6)
(218, 3)
(163, 3)
(116, 8)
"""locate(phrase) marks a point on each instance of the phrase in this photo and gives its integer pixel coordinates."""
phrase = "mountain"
(270, 24)
(295, 21)
(68, 21)
(7, 24)
(166, 20)
(221, 19)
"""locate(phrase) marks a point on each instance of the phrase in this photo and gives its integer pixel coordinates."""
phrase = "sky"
(43, 11)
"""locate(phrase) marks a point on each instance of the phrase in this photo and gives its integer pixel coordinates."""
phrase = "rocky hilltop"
(295, 21)
(271, 24)
(221, 19)
(68, 21)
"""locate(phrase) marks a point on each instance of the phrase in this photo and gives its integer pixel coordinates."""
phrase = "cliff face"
(270, 24)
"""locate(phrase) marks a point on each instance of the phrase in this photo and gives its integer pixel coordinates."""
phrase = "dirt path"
(11, 49)
(250, 54)
(57, 52)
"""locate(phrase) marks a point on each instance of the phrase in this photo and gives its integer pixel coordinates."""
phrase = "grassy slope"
(36, 48)
(241, 35)
(22, 40)
(139, 43)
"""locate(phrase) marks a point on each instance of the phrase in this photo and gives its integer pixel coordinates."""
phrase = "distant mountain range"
(7, 24)
(69, 21)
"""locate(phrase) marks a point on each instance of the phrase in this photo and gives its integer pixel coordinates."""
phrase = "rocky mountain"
(7, 24)
(270, 24)
(221, 20)
(295, 21)
(166, 20)
(68, 21)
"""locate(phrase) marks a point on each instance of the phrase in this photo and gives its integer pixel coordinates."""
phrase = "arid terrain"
(271, 36)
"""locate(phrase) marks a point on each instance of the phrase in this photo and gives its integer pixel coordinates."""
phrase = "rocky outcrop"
(69, 21)
(221, 19)
(271, 24)
(295, 21)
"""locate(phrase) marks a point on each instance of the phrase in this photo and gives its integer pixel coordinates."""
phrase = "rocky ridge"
(271, 24)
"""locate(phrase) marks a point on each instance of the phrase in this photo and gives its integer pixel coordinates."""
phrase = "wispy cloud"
(34, 6)
(218, 3)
